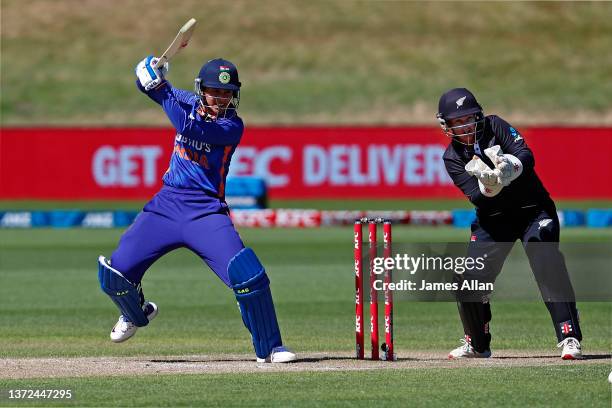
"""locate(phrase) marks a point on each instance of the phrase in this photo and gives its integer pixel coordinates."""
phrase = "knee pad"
(252, 289)
(123, 293)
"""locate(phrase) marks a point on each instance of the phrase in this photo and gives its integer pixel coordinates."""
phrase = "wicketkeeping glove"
(488, 180)
(508, 166)
(149, 77)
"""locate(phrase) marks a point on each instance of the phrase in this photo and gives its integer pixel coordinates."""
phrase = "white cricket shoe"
(467, 351)
(124, 329)
(571, 349)
(279, 355)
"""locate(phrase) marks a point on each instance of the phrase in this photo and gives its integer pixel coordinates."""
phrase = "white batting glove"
(149, 77)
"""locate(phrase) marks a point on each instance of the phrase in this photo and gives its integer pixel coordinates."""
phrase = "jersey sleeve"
(177, 103)
(184, 96)
(180, 105)
(511, 142)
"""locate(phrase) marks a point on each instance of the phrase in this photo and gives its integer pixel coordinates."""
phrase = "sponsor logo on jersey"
(515, 134)
(186, 153)
(196, 144)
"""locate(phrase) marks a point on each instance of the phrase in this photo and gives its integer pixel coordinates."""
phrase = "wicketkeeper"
(490, 162)
(190, 209)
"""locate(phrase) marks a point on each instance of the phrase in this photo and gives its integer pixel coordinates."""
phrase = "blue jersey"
(202, 149)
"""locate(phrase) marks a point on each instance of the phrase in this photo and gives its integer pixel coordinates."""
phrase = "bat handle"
(160, 62)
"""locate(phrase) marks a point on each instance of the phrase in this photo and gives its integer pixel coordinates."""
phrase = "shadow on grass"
(347, 359)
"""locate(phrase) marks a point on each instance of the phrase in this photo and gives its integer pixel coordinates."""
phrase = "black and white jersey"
(524, 192)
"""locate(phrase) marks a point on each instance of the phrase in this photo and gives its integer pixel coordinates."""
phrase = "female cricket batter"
(190, 209)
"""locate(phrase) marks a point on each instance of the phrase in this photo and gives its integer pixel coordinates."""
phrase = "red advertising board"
(350, 162)
(297, 162)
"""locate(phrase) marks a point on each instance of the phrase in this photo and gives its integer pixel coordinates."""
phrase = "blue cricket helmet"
(219, 73)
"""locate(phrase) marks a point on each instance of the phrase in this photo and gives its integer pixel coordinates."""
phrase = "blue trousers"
(178, 218)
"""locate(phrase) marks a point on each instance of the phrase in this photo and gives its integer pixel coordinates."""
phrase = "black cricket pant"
(494, 236)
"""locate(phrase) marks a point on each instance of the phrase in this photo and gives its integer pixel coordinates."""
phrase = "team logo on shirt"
(543, 223)
(224, 77)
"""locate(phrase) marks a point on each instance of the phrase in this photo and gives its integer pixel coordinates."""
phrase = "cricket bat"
(180, 41)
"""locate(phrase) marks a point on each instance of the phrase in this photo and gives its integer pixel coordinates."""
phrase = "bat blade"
(180, 41)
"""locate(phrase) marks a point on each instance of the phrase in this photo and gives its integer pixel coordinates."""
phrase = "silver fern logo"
(459, 102)
(543, 223)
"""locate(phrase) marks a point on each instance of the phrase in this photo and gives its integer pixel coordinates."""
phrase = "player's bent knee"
(252, 289)
(245, 269)
(122, 292)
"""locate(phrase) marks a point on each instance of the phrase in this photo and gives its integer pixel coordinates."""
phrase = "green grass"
(518, 387)
(312, 284)
(50, 305)
(312, 62)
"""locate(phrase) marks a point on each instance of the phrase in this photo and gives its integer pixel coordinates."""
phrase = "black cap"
(456, 103)
(219, 73)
